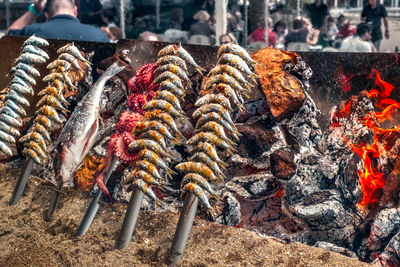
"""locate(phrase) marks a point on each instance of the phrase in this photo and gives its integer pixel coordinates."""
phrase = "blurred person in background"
(373, 13)
(114, 33)
(91, 12)
(203, 25)
(239, 31)
(259, 35)
(312, 33)
(317, 12)
(208, 5)
(176, 36)
(61, 23)
(227, 38)
(344, 28)
(359, 42)
(341, 22)
(148, 36)
(281, 32)
(298, 34)
(329, 31)
(176, 19)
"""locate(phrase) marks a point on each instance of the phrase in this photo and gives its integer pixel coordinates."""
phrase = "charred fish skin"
(226, 82)
(79, 133)
(158, 122)
(22, 82)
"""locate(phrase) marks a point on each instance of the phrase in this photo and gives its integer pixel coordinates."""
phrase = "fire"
(371, 180)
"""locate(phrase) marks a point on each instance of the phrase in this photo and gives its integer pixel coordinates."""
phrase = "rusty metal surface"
(326, 84)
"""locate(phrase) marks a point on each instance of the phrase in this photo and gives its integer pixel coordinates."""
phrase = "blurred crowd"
(195, 23)
(316, 30)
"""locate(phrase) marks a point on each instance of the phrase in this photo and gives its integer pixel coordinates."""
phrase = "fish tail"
(254, 77)
(179, 139)
(169, 175)
(212, 213)
(200, 70)
(114, 69)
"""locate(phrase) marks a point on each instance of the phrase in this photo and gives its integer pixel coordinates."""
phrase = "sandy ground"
(27, 240)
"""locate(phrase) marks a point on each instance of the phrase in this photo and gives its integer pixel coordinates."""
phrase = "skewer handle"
(54, 201)
(22, 180)
(131, 216)
(183, 229)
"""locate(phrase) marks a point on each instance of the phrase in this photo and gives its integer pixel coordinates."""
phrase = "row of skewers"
(157, 130)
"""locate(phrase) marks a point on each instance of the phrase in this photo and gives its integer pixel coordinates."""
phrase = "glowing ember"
(371, 180)
(344, 80)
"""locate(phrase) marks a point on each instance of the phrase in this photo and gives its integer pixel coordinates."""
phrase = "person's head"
(318, 2)
(58, 7)
(148, 36)
(330, 21)
(341, 19)
(202, 15)
(114, 33)
(238, 15)
(306, 22)
(270, 23)
(364, 31)
(297, 24)
(372, 3)
(227, 38)
(279, 27)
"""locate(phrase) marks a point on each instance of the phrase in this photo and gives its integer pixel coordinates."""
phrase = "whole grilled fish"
(79, 133)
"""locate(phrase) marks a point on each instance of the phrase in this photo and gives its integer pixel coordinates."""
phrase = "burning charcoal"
(251, 109)
(254, 186)
(384, 228)
(327, 217)
(303, 126)
(113, 95)
(391, 254)
(282, 164)
(245, 163)
(231, 211)
(256, 139)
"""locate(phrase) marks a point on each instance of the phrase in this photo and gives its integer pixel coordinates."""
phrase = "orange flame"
(371, 180)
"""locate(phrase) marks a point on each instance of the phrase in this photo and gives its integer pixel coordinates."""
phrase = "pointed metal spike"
(94, 204)
(22, 180)
(54, 201)
(131, 216)
(183, 229)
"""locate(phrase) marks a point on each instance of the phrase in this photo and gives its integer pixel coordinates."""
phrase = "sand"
(26, 239)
